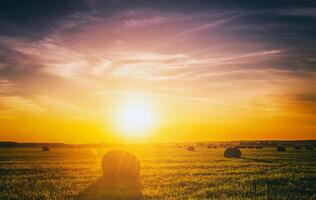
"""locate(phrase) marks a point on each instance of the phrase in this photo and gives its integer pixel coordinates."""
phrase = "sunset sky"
(206, 70)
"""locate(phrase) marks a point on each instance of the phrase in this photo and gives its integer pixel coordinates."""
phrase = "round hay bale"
(191, 148)
(232, 152)
(281, 148)
(45, 148)
(120, 165)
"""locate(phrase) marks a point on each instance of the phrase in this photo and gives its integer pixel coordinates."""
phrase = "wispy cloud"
(208, 25)
(255, 56)
(7, 87)
(149, 56)
(17, 105)
(307, 12)
(57, 105)
(101, 68)
(67, 70)
(133, 23)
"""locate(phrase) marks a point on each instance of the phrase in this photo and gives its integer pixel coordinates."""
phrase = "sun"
(135, 117)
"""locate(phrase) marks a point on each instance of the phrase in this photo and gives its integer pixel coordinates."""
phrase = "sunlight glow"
(135, 117)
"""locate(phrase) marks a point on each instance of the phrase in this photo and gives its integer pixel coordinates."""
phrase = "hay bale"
(232, 152)
(45, 148)
(200, 144)
(281, 148)
(120, 165)
(259, 147)
(191, 148)
(250, 147)
(297, 148)
(310, 148)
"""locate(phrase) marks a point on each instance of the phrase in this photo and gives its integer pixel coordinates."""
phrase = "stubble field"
(167, 172)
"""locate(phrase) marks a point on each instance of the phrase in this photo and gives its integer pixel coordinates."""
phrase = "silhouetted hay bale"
(232, 152)
(120, 165)
(259, 147)
(250, 147)
(297, 148)
(45, 148)
(310, 148)
(191, 148)
(242, 147)
(281, 148)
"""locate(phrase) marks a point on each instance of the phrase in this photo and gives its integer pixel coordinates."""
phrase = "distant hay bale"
(259, 147)
(120, 165)
(45, 148)
(242, 147)
(250, 147)
(209, 146)
(200, 144)
(281, 148)
(297, 148)
(310, 148)
(191, 148)
(232, 152)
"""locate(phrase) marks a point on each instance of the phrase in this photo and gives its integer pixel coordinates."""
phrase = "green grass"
(167, 172)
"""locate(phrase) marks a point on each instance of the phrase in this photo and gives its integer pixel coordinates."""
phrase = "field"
(167, 172)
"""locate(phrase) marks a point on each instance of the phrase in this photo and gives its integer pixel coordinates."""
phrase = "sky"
(209, 70)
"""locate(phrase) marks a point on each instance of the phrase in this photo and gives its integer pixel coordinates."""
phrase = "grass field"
(167, 172)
